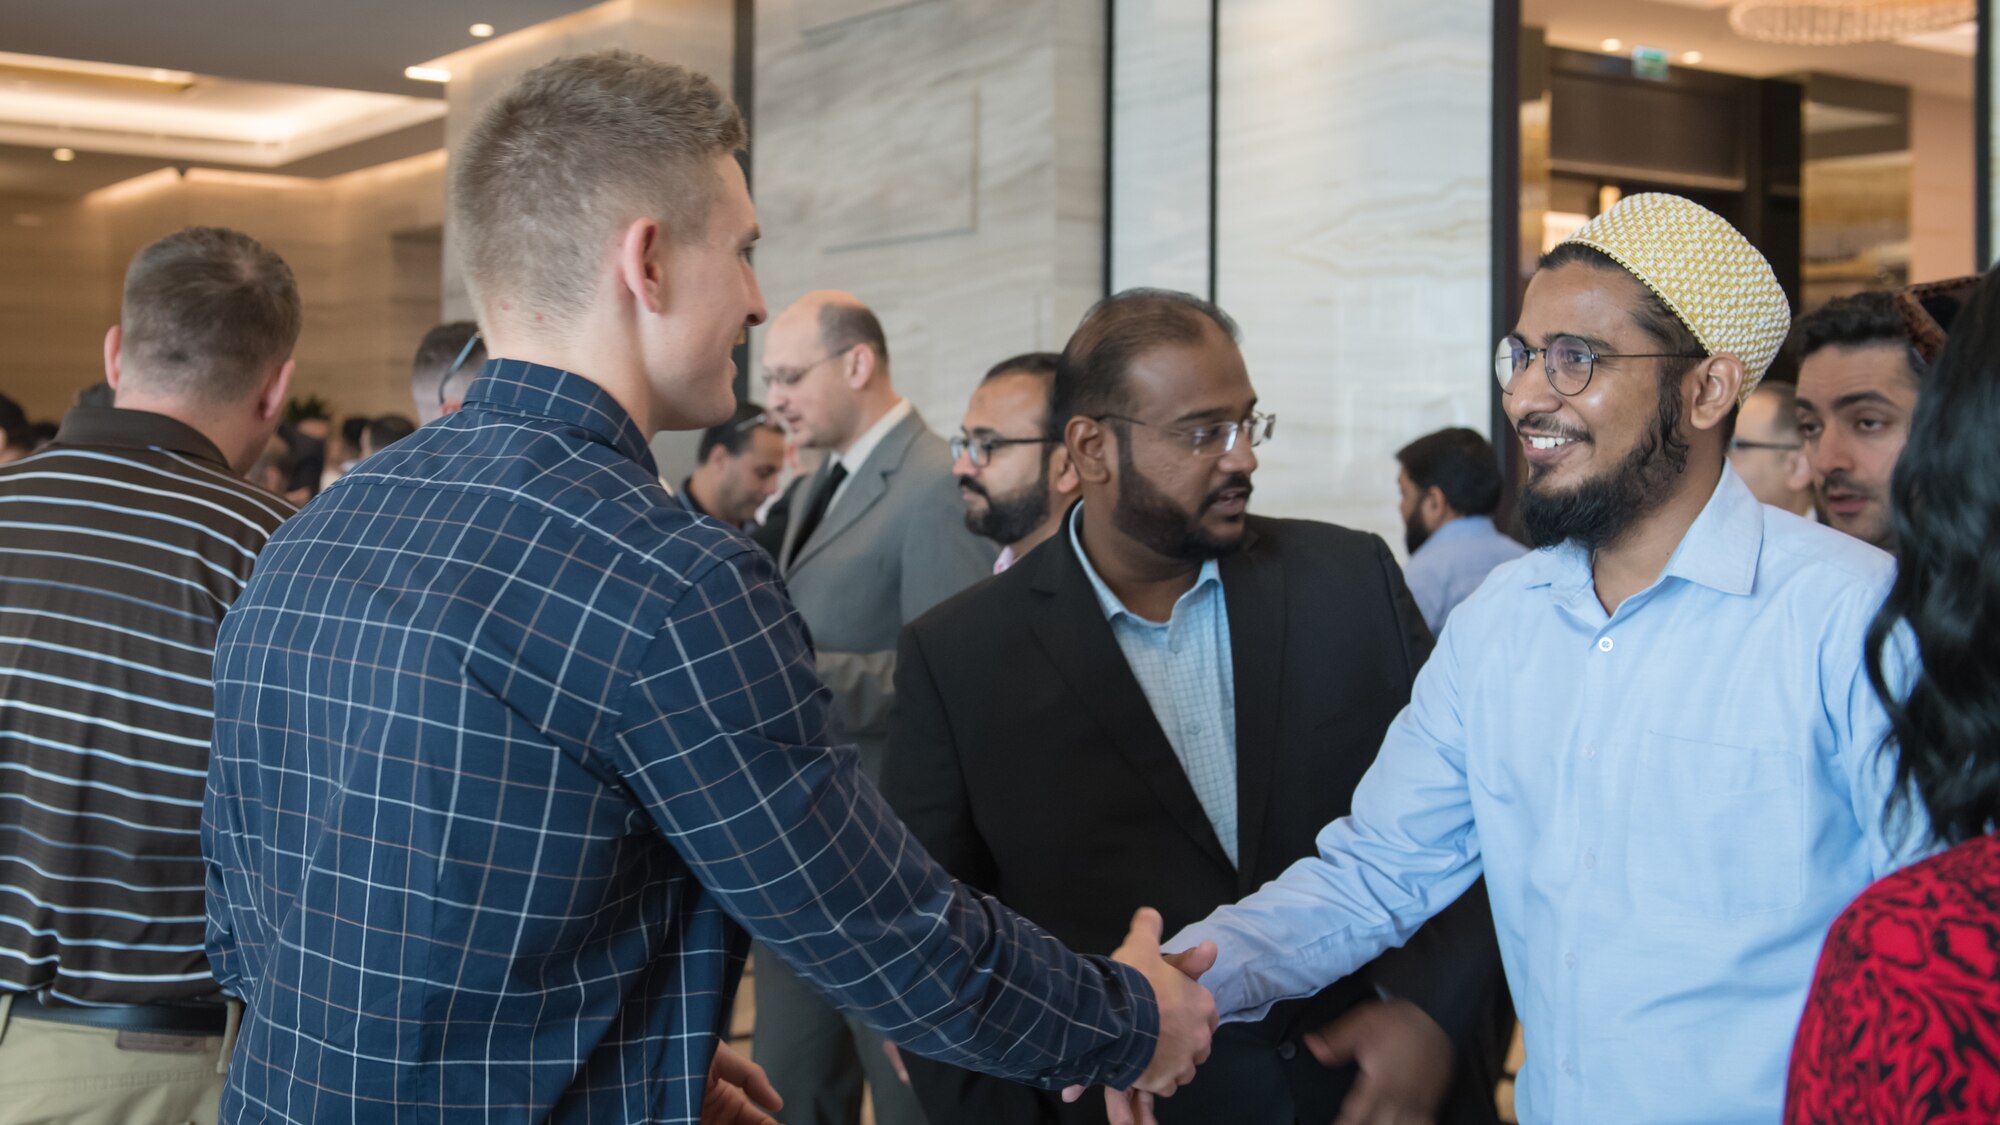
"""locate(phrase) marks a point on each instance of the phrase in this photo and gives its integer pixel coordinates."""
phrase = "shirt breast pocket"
(1717, 831)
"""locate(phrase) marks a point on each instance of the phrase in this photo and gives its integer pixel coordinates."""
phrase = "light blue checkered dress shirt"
(1184, 666)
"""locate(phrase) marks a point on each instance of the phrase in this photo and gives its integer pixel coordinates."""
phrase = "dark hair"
(96, 395)
(734, 436)
(841, 326)
(351, 429)
(1860, 321)
(1672, 334)
(1027, 363)
(389, 429)
(1090, 373)
(207, 311)
(1945, 501)
(14, 427)
(1461, 464)
(440, 348)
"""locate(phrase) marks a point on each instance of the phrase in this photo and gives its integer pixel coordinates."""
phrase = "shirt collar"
(686, 494)
(136, 429)
(857, 454)
(1211, 574)
(1720, 549)
(1460, 528)
(513, 386)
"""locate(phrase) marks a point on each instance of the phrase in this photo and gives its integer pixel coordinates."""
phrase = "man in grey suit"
(879, 539)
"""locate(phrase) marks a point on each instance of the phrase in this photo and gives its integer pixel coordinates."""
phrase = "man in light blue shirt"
(1654, 736)
(1450, 485)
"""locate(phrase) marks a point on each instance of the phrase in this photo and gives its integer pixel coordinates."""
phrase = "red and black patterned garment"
(1903, 1024)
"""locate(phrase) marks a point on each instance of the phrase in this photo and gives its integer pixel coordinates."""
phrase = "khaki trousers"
(62, 1074)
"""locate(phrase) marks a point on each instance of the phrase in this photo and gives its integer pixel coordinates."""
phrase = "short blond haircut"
(575, 150)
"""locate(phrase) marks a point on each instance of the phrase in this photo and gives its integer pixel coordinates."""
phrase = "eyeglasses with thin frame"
(1211, 440)
(1739, 443)
(445, 380)
(980, 448)
(775, 379)
(1568, 362)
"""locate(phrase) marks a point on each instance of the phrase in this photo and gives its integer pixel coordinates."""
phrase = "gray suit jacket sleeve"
(940, 557)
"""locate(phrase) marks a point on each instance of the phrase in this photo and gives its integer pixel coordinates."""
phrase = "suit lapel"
(1253, 587)
(868, 482)
(1069, 625)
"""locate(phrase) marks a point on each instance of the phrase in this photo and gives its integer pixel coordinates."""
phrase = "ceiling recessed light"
(1692, 58)
(427, 73)
(481, 30)
(1613, 44)
(65, 154)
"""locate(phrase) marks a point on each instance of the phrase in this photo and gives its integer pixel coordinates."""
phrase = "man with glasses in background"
(880, 540)
(1164, 704)
(447, 359)
(1654, 736)
(1014, 476)
(1767, 451)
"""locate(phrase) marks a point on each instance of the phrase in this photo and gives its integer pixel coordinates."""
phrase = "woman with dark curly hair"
(1903, 1024)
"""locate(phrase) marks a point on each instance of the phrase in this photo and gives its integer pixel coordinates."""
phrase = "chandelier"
(1839, 23)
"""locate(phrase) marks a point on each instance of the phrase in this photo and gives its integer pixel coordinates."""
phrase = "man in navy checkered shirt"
(512, 755)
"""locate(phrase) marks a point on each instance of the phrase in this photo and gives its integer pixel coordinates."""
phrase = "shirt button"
(1590, 860)
(1569, 960)
(1590, 751)
(1604, 644)
(1287, 1051)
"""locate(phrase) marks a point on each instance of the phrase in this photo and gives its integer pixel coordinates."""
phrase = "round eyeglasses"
(1568, 361)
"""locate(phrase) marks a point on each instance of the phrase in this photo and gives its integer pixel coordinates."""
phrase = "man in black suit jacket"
(1029, 752)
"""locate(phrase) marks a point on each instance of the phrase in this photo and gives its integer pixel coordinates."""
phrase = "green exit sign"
(1649, 62)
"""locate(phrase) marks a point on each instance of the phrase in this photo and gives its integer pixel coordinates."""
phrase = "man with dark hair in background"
(383, 432)
(1858, 382)
(17, 437)
(1767, 451)
(1013, 472)
(1450, 485)
(120, 548)
(1164, 704)
(736, 468)
(447, 359)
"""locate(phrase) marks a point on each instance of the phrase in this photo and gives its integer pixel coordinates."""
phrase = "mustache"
(1237, 482)
(967, 484)
(1839, 479)
(1547, 424)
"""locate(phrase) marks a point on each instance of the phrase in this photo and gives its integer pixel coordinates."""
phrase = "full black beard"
(1154, 520)
(1415, 534)
(1596, 513)
(1008, 521)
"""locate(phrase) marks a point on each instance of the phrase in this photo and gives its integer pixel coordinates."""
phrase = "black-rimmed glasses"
(1776, 446)
(1568, 362)
(980, 448)
(1214, 439)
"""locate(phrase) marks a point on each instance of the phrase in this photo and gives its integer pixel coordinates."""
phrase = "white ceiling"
(1937, 64)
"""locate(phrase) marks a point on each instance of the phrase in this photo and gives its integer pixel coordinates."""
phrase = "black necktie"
(822, 500)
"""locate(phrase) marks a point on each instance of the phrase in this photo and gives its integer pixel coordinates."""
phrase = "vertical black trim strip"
(1982, 139)
(1110, 123)
(1214, 154)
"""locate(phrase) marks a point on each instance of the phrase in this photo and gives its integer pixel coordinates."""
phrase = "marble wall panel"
(1160, 151)
(1017, 276)
(898, 170)
(1354, 247)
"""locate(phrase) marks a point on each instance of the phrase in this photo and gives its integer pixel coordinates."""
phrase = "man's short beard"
(1009, 520)
(1415, 534)
(1155, 521)
(1602, 509)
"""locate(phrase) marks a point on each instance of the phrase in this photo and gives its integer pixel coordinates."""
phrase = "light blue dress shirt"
(1670, 805)
(1453, 562)
(1184, 666)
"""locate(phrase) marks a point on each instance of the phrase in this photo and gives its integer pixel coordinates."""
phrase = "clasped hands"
(1403, 1059)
